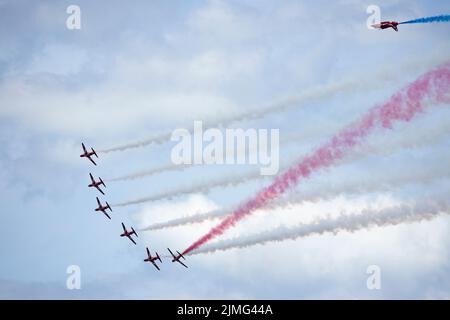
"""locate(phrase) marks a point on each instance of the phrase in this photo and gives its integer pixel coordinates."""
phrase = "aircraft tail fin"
(134, 232)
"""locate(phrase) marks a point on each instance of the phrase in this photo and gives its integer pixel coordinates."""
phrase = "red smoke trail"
(432, 87)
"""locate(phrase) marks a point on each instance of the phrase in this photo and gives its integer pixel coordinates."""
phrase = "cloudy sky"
(142, 69)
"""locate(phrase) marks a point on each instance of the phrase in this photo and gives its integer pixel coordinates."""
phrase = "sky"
(145, 68)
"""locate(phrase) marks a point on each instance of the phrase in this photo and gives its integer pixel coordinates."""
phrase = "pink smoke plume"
(432, 87)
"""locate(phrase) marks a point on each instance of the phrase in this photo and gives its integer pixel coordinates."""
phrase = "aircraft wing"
(156, 266)
(129, 237)
(148, 253)
(181, 263)
(92, 160)
(98, 201)
(171, 253)
(124, 229)
(84, 148)
(107, 215)
(98, 188)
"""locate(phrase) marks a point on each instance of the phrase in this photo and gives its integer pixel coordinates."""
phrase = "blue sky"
(134, 70)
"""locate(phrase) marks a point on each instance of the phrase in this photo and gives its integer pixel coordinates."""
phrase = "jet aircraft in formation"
(103, 208)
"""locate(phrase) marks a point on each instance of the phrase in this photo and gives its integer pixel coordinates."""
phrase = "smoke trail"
(177, 167)
(386, 147)
(366, 219)
(199, 187)
(402, 106)
(200, 217)
(149, 172)
(441, 18)
(307, 97)
(393, 178)
(390, 181)
(312, 95)
(156, 139)
(407, 141)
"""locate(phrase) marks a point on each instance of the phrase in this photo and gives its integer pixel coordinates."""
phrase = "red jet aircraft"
(153, 259)
(89, 154)
(128, 234)
(177, 258)
(96, 184)
(386, 24)
(103, 208)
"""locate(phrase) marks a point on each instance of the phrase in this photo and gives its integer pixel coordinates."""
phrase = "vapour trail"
(434, 133)
(441, 18)
(392, 180)
(149, 172)
(177, 167)
(201, 187)
(315, 94)
(295, 137)
(439, 131)
(432, 87)
(367, 219)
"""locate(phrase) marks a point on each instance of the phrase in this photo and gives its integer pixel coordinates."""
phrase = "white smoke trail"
(200, 217)
(201, 187)
(310, 96)
(156, 139)
(378, 145)
(149, 172)
(241, 152)
(232, 180)
(389, 182)
(350, 223)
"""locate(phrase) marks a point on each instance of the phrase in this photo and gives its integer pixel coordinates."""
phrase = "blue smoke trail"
(441, 18)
